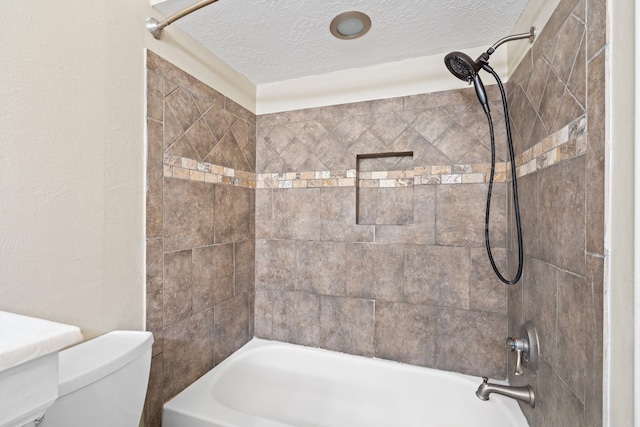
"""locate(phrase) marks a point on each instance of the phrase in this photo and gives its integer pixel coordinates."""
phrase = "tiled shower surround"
(410, 289)
(560, 81)
(252, 226)
(200, 234)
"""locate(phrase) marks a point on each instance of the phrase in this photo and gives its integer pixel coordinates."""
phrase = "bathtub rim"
(189, 403)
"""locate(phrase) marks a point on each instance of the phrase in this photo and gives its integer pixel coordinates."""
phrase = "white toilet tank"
(102, 382)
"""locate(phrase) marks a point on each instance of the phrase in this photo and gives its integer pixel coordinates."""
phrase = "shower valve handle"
(521, 347)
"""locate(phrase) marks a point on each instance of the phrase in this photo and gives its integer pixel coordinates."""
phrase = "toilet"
(102, 382)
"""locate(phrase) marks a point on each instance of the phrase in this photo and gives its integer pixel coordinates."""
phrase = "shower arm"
(156, 27)
(531, 35)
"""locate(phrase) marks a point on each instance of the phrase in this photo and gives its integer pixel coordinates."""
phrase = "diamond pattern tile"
(441, 135)
(196, 128)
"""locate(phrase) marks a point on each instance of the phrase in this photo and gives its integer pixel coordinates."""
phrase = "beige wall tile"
(176, 283)
(322, 267)
(244, 264)
(406, 333)
(212, 276)
(572, 334)
(275, 264)
(460, 213)
(188, 214)
(154, 292)
(234, 218)
(483, 349)
(232, 320)
(188, 352)
(297, 318)
(595, 155)
(486, 291)
(437, 275)
(347, 325)
(561, 215)
(375, 271)
(296, 214)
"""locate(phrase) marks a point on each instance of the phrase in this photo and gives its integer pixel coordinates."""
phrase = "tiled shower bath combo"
(359, 228)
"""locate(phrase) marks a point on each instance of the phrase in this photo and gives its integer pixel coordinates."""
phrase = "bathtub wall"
(200, 229)
(389, 260)
(558, 102)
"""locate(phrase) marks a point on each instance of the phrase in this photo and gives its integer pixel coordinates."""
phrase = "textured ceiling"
(276, 40)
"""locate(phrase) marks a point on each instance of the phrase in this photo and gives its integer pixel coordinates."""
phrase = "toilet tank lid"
(92, 360)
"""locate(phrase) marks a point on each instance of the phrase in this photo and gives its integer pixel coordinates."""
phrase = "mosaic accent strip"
(567, 143)
(182, 168)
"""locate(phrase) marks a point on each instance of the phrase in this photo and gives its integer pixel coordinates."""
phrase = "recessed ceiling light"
(350, 25)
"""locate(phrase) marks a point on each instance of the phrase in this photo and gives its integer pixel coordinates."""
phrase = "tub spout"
(524, 394)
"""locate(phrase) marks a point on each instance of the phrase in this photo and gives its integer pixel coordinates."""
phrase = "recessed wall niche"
(384, 188)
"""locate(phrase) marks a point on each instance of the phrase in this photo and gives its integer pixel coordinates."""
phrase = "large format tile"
(557, 405)
(594, 312)
(188, 352)
(482, 336)
(176, 292)
(176, 76)
(155, 399)
(406, 333)
(596, 154)
(184, 109)
(347, 325)
(561, 214)
(212, 275)
(263, 214)
(296, 318)
(154, 180)
(296, 214)
(423, 228)
(437, 276)
(539, 285)
(569, 39)
(322, 268)
(276, 266)
(338, 216)
(460, 215)
(244, 265)
(154, 292)
(234, 218)
(375, 271)
(232, 320)
(486, 291)
(597, 29)
(188, 214)
(572, 336)
(528, 201)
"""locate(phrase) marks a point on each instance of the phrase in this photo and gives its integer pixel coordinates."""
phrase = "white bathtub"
(272, 384)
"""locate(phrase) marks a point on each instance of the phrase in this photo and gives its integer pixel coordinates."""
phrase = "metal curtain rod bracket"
(156, 28)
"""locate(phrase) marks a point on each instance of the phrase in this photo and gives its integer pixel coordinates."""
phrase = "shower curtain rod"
(156, 27)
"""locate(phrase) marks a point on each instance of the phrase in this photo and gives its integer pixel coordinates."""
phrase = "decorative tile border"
(567, 143)
(183, 168)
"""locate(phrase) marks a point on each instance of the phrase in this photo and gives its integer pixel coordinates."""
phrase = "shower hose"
(514, 183)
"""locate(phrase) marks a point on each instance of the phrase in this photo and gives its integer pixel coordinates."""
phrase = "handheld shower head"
(466, 69)
(462, 66)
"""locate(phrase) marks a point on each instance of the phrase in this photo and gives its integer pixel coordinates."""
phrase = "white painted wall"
(72, 153)
(619, 232)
